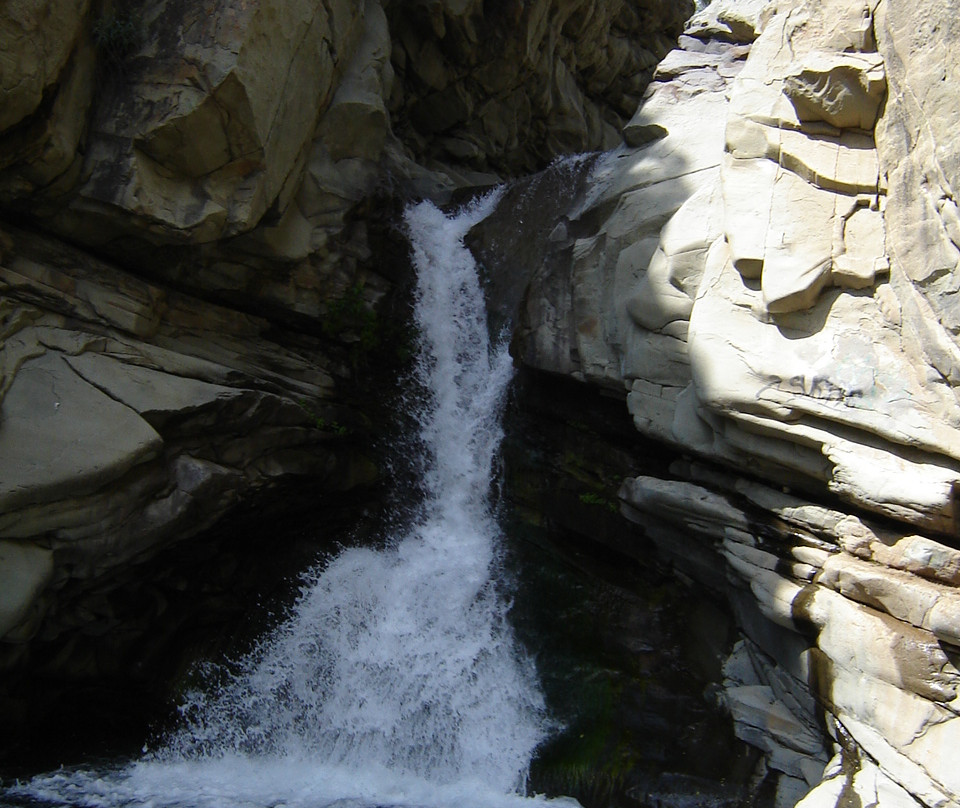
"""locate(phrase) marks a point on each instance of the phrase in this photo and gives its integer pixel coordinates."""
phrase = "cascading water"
(396, 681)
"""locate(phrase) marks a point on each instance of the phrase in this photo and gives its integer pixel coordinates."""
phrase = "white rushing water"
(396, 680)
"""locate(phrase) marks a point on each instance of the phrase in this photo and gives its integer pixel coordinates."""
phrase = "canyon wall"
(765, 272)
(202, 282)
(201, 285)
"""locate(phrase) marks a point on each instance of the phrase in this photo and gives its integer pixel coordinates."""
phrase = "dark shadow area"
(110, 686)
(629, 653)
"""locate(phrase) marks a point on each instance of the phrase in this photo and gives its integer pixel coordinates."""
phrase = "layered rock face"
(766, 271)
(509, 85)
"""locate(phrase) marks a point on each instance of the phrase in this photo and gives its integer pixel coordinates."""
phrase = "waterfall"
(396, 680)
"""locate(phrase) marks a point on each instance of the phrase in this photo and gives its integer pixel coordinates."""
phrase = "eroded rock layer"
(763, 270)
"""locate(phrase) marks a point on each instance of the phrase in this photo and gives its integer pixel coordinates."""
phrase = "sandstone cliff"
(765, 269)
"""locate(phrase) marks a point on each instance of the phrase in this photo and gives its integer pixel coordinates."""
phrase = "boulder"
(861, 780)
(758, 322)
(918, 147)
(634, 192)
(40, 39)
(201, 128)
(509, 87)
(47, 84)
(734, 20)
(62, 437)
(25, 571)
(771, 282)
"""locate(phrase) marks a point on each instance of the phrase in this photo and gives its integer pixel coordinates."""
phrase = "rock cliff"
(764, 270)
(198, 269)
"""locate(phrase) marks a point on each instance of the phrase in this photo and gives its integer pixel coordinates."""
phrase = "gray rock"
(61, 436)
(25, 570)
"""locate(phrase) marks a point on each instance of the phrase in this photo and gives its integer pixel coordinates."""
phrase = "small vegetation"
(321, 423)
(595, 759)
(598, 500)
(350, 315)
(351, 319)
(117, 34)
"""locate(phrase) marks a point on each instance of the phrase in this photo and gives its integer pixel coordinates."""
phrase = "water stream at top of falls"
(396, 680)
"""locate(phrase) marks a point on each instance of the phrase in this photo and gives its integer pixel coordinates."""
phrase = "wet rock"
(860, 780)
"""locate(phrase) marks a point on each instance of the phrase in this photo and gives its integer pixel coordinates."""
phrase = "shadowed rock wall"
(201, 275)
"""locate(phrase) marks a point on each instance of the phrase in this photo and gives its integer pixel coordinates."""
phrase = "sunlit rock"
(843, 89)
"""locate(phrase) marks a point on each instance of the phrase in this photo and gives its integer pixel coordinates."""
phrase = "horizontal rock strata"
(762, 266)
(133, 415)
(752, 272)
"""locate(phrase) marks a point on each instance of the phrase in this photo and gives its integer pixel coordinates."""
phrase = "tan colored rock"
(790, 341)
(889, 682)
(60, 435)
(52, 57)
(922, 603)
(801, 214)
(890, 685)
(862, 780)
(133, 416)
(764, 722)
(791, 191)
(766, 714)
(918, 555)
(863, 640)
(656, 271)
(696, 507)
(909, 738)
(665, 293)
(844, 387)
(39, 38)
(843, 89)
(921, 556)
(805, 222)
(799, 244)
(917, 138)
(526, 82)
(210, 131)
(343, 166)
(131, 307)
(152, 393)
(738, 20)
(749, 210)
(356, 123)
